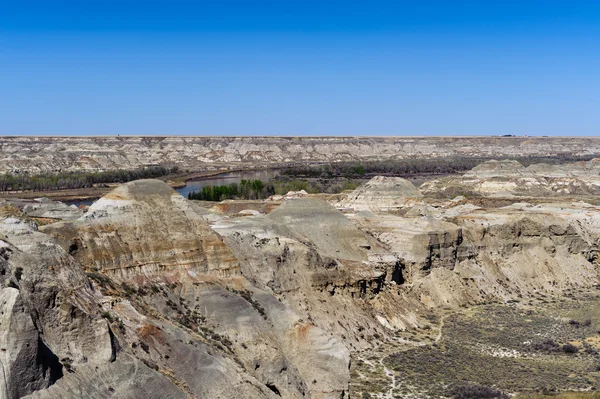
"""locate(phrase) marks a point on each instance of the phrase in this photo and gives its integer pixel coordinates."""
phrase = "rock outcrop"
(195, 310)
(381, 194)
(43, 208)
(35, 154)
(507, 178)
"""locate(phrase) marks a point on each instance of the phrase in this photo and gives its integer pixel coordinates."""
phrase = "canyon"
(368, 293)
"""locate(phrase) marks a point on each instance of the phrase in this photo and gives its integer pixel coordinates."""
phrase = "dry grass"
(10, 211)
(502, 347)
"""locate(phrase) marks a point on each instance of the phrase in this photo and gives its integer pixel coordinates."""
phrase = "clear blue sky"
(300, 67)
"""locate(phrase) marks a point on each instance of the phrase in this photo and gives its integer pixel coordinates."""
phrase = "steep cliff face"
(57, 294)
(511, 255)
(50, 316)
(27, 364)
(36, 154)
(455, 254)
(318, 262)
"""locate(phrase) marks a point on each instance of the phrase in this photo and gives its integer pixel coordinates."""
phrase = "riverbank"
(176, 181)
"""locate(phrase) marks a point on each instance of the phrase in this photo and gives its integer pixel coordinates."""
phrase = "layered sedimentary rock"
(325, 267)
(502, 178)
(205, 325)
(456, 253)
(381, 193)
(36, 154)
(149, 295)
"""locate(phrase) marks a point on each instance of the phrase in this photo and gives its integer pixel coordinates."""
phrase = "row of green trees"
(74, 180)
(417, 166)
(246, 189)
(257, 189)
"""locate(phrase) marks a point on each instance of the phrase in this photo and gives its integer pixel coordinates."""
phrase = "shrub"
(476, 392)
(101, 280)
(547, 346)
(129, 290)
(247, 295)
(150, 364)
(18, 273)
(144, 347)
(107, 316)
(570, 349)
(67, 364)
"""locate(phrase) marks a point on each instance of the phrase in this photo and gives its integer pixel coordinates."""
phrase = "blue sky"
(300, 67)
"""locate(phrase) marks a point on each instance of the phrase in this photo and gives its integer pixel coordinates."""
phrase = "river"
(227, 178)
(217, 180)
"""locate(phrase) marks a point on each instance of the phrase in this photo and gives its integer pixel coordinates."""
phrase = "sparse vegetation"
(476, 392)
(247, 295)
(127, 289)
(531, 350)
(107, 316)
(67, 364)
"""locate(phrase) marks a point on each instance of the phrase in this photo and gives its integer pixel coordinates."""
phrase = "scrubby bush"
(547, 346)
(476, 392)
(18, 273)
(574, 323)
(144, 347)
(570, 349)
(107, 316)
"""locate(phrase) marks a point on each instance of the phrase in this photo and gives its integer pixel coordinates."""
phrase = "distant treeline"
(74, 180)
(412, 167)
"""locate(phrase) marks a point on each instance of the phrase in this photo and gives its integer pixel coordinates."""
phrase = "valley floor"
(533, 348)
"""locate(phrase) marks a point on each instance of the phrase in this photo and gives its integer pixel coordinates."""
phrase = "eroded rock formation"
(35, 154)
(148, 294)
(502, 178)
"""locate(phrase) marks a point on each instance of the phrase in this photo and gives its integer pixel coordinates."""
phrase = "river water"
(227, 178)
(218, 180)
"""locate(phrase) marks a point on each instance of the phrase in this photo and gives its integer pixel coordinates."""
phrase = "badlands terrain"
(50, 154)
(479, 285)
